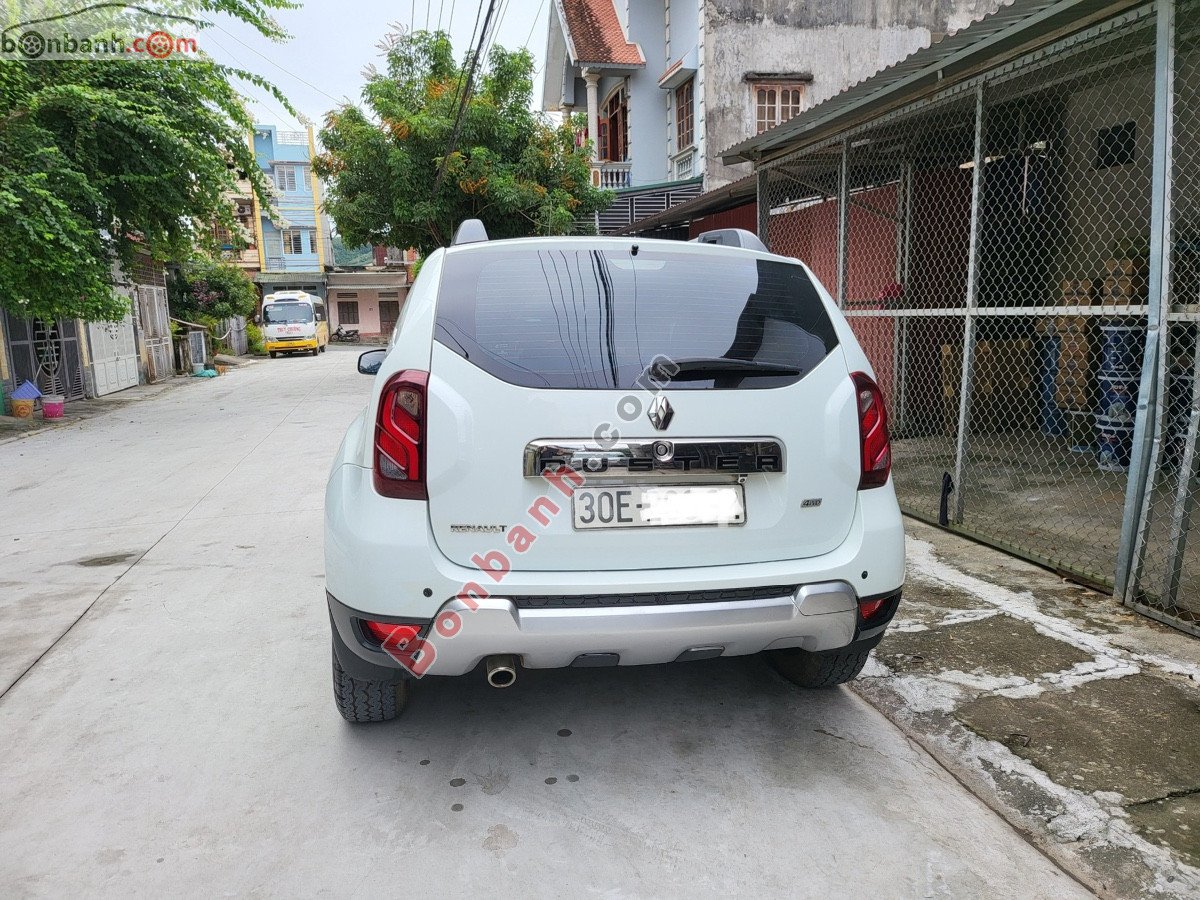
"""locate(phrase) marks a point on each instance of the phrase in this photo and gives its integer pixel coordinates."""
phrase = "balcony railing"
(612, 175)
(291, 137)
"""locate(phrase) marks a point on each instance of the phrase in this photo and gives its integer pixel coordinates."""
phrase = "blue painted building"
(293, 239)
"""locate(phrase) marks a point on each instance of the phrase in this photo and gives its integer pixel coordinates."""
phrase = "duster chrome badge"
(749, 456)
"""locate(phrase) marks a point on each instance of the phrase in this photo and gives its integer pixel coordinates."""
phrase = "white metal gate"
(156, 331)
(114, 354)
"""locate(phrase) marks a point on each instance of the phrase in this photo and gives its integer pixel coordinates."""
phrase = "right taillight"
(874, 443)
(400, 437)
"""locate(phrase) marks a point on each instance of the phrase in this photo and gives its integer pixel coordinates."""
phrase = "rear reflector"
(390, 636)
(400, 437)
(868, 608)
(875, 445)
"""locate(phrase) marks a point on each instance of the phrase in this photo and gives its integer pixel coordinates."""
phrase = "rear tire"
(274, 354)
(818, 670)
(367, 701)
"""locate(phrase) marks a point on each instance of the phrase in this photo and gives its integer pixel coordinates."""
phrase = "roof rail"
(732, 237)
(471, 231)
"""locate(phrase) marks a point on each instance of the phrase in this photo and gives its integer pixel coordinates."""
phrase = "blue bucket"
(1121, 349)
(1114, 441)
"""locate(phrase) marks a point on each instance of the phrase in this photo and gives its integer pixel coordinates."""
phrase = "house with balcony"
(293, 235)
(240, 246)
(669, 84)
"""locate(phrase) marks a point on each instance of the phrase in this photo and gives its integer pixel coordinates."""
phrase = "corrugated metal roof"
(1011, 31)
(744, 190)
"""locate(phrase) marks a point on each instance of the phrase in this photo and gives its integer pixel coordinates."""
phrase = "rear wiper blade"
(701, 369)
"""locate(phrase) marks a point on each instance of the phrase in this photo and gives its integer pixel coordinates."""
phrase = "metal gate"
(46, 353)
(1019, 256)
(156, 331)
(114, 354)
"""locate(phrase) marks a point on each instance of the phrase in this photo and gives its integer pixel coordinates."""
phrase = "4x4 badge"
(661, 413)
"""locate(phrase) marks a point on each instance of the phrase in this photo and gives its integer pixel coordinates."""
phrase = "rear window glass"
(598, 317)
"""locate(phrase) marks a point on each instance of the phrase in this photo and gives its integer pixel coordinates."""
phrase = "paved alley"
(168, 725)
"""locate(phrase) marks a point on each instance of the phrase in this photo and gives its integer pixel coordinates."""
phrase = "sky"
(332, 41)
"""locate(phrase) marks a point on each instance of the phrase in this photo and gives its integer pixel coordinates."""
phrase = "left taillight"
(400, 436)
(875, 445)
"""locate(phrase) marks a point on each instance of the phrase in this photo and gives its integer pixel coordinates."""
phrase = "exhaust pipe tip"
(502, 671)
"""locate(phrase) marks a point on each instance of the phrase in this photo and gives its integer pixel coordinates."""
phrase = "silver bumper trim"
(816, 617)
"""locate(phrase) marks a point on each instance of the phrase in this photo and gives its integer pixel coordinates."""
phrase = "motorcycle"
(345, 336)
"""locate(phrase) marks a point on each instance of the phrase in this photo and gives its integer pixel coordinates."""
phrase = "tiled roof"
(596, 35)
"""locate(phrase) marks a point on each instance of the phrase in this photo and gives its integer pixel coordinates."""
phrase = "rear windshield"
(287, 313)
(597, 318)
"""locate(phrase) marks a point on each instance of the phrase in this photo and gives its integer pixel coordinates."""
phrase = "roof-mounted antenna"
(732, 237)
(471, 231)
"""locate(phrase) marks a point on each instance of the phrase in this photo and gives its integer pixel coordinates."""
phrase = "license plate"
(639, 506)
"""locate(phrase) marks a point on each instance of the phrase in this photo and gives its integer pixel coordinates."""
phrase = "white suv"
(610, 451)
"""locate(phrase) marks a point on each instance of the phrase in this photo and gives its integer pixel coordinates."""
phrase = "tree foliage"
(511, 167)
(209, 288)
(102, 157)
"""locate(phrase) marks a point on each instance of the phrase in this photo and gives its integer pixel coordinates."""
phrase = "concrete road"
(168, 728)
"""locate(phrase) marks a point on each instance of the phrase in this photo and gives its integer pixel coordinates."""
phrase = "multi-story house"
(669, 84)
(241, 248)
(293, 239)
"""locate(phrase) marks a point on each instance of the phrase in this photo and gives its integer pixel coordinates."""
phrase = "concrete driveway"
(168, 726)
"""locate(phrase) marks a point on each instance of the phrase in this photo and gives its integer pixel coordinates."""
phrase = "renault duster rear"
(610, 451)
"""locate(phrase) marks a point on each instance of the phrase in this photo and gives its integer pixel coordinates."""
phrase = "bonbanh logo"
(31, 45)
(102, 30)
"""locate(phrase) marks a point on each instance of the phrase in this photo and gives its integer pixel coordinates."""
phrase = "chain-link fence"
(992, 248)
(1165, 570)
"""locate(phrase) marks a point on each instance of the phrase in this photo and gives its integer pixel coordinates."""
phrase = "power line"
(450, 24)
(441, 173)
(267, 99)
(496, 28)
(441, 6)
(533, 26)
(471, 43)
(279, 67)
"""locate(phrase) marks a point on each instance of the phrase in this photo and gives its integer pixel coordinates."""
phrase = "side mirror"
(369, 362)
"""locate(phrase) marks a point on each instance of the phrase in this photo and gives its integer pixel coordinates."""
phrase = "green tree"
(211, 289)
(101, 158)
(510, 167)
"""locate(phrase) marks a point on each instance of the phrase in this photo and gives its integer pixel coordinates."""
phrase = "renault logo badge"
(661, 413)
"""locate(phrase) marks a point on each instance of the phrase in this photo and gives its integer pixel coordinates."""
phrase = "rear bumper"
(382, 563)
(815, 617)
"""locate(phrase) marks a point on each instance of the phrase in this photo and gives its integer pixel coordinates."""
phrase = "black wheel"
(818, 670)
(367, 701)
(316, 351)
(323, 346)
(274, 354)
